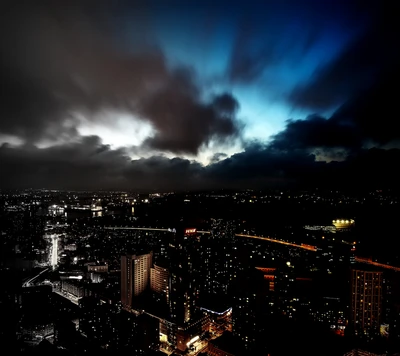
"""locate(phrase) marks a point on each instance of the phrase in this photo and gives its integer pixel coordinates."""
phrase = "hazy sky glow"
(188, 90)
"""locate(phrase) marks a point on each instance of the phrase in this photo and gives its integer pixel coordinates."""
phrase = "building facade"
(159, 280)
(135, 276)
(249, 310)
(366, 302)
(184, 276)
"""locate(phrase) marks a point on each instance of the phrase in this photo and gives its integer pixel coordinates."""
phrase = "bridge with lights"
(269, 239)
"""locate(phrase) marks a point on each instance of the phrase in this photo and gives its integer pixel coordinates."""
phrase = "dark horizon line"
(293, 188)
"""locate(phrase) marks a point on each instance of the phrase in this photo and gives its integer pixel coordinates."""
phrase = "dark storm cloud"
(365, 120)
(183, 123)
(63, 58)
(161, 173)
(260, 161)
(316, 131)
(89, 164)
(373, 111)
(60, 58)
(362, 79)
(324, 152)
(225, 104)
(262, 167)
(84, 163)
(357, 68)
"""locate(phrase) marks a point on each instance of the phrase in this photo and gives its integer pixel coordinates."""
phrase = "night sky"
(167, 94)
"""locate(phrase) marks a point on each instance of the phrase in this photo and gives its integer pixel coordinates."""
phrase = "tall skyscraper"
(366, 302)
(220, 259)
(284, 286)
(250, 303)
(183, 275)
(135, 276)
(186, 322)
(390, 326)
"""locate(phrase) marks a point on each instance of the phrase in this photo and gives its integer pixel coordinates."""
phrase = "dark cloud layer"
(183, 124)
(291, 157)
(316, 132)
(59, 59)
(373, 111)
(88, 164)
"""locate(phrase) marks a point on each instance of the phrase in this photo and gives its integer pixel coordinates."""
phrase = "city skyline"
(200, 273)
(134, 95)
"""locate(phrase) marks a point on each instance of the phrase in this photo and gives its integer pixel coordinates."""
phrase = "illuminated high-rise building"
(284, 286)
(184, 280)
(390, 326)
(159, 280)
(220, 259)
(366, 302)
(250, 304)
(186, 322)
(135, 276)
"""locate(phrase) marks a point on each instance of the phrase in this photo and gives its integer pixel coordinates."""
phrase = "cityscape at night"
(200, 273)
(199, 178)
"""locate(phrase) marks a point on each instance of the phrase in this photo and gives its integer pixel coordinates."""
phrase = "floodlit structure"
(135, 276)
(343, 224)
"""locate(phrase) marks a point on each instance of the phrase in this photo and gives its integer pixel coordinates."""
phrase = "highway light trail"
(377, 264)
(309, 248)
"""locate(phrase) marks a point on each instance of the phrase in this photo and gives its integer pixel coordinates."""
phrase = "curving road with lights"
(30, 281)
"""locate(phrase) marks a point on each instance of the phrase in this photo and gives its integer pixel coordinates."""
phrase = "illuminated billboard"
(190, 231)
